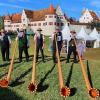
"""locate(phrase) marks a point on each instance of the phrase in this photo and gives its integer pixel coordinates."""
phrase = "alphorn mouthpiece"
(65, 91)
(94, 93)
(4, 83)
(32, 87)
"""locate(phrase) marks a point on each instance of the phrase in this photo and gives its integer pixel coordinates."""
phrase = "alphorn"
(94, 93)
(64, 90)
(5, 82)
(32, 86)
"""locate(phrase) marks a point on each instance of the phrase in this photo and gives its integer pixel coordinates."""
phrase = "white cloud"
(27, 1)
(95, 3)
(10, 5)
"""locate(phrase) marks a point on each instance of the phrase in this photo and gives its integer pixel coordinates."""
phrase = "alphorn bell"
(94, 93)
(64, 91)
(4, 82)
(32, 86)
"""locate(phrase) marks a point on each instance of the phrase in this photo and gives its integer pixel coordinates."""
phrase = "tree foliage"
(1, 22)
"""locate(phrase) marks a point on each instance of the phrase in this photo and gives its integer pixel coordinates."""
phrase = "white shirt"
(9, 39)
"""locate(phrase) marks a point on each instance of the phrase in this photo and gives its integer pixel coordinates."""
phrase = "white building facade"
(46, 19)
(88, 16)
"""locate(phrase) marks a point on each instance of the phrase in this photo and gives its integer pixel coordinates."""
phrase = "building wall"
(16, 26)
(51, 21)
(24, 19)
(86, 17)
(77, 28)
(48, 25)
(7, 25)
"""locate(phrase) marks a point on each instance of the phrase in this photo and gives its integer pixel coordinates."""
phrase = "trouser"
(25, 50)
(54, 53)
(5, 53)
(37, 52)
(70, 50)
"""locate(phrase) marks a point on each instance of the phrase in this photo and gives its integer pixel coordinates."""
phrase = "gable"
(59, 11)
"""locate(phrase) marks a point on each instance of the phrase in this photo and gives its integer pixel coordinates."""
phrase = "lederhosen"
(23, 47)
(5, 47)
(39, 47)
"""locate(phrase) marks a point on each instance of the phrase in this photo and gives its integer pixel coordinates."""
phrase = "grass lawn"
(47, 77)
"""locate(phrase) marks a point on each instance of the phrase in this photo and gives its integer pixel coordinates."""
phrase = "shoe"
(8, 59)
(43, 61)
(4, 59)
(67, 61)
(20, 61)
(27, 60)
(55, 62)
(75, 61)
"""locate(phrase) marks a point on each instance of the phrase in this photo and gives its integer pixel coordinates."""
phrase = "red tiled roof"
(40, 14)
(94, 15)
(52, 10)
(32, 15)
(16, 18)
(7, 17)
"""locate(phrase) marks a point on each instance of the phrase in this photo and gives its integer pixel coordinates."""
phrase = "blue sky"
(72, 8)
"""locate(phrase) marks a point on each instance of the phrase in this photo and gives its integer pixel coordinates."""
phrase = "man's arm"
(9, 39)
(43, 42)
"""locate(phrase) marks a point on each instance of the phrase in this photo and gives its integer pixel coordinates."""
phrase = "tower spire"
(51, 9)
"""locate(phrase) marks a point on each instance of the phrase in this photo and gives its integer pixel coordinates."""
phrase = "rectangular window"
(35, 24)
(23, 19)
(50, 16)
(44, 24)
(55, 16)
(31, 25)
(61, 17)
(50, 23)
(39, 24)
(9, 25)
(57, 24)
(62, 24)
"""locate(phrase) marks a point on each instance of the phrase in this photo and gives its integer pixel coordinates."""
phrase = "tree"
(1, 22)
